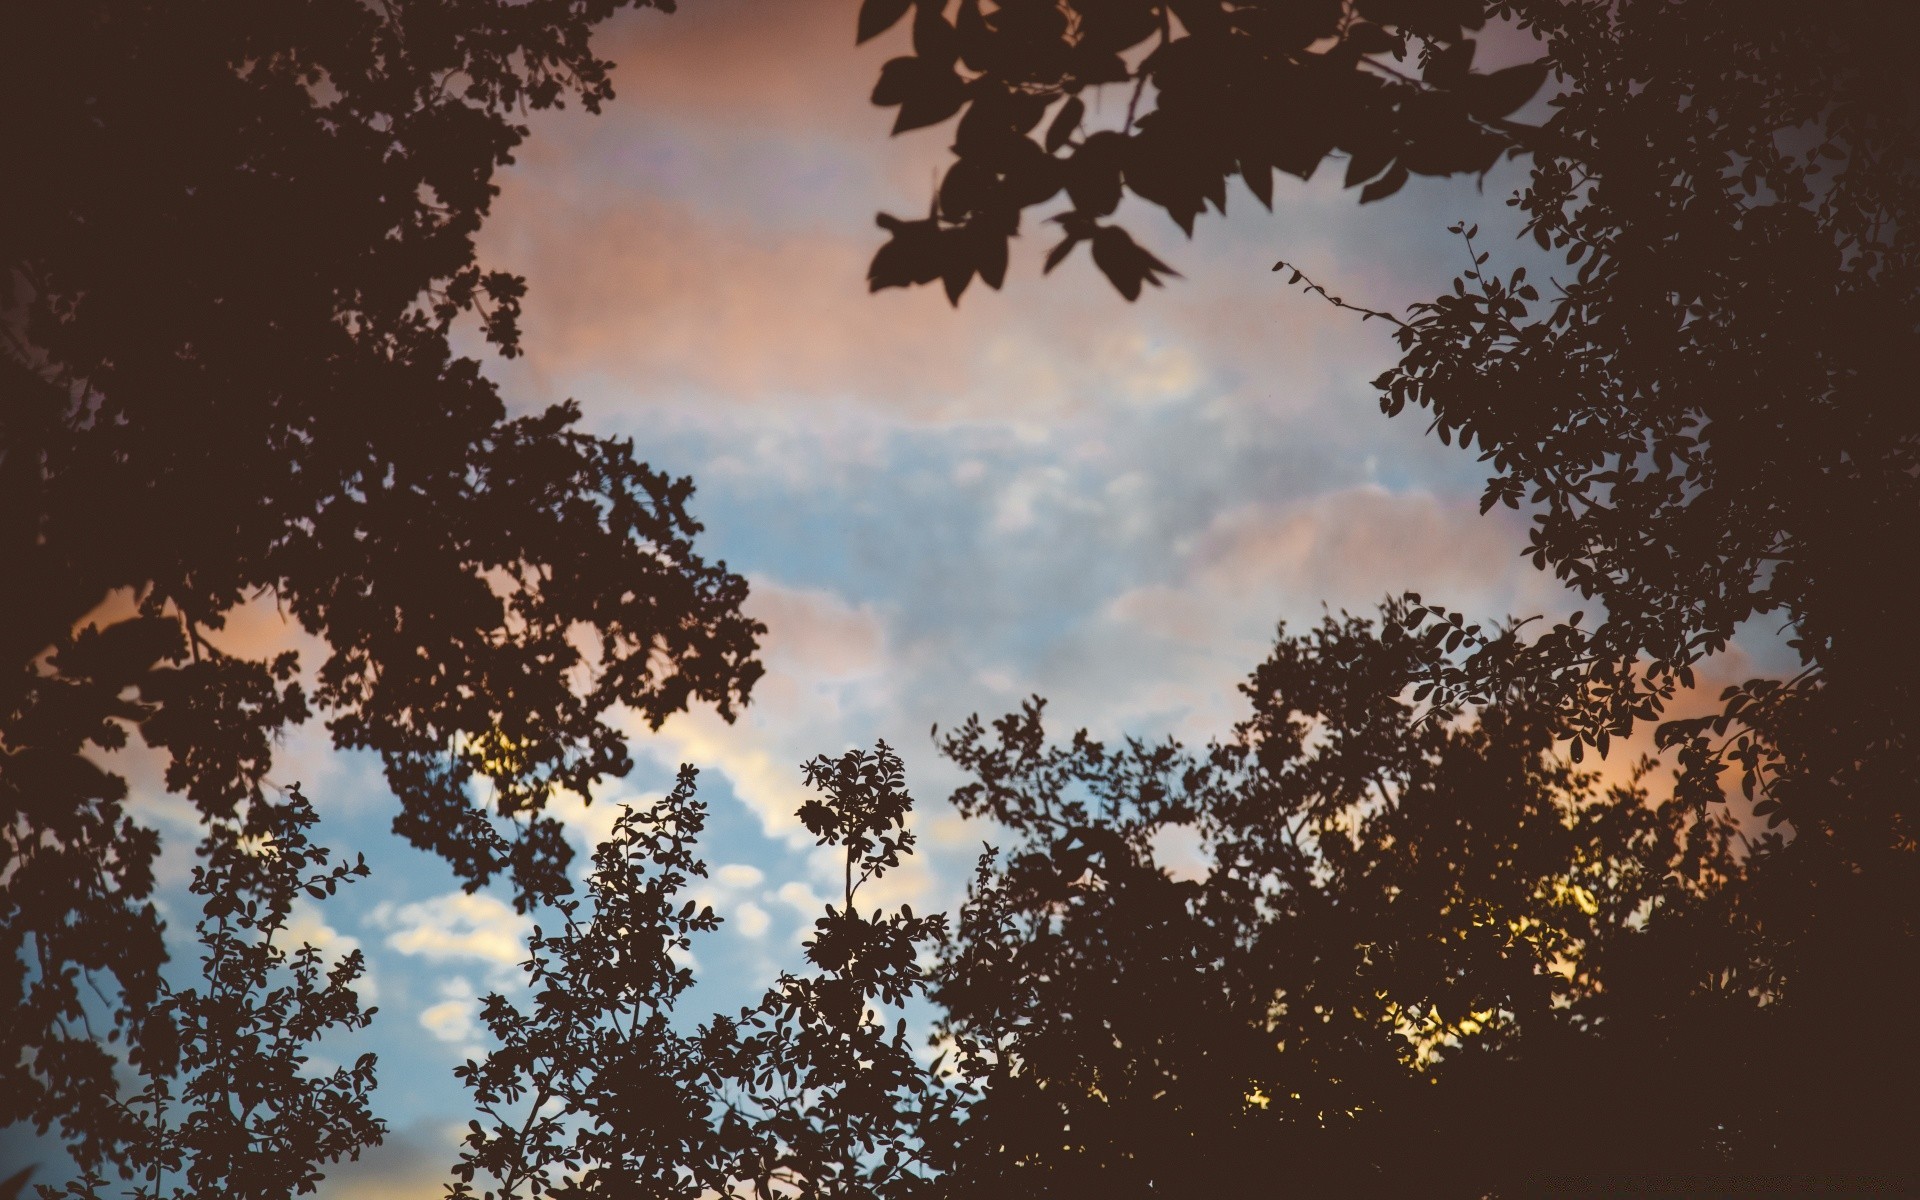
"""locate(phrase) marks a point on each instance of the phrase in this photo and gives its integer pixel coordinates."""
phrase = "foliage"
(1403, 932)
(242, 241)
(1702, 419)
(231, 1102)
(1426, 954)
(611, 1098)
(1215, 89)
(1700, 416)
(807, 1094)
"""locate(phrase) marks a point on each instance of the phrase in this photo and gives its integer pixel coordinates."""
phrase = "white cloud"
(738, 875)
(455, 1019)
(802, 899)
(458, 925)
(750, 919)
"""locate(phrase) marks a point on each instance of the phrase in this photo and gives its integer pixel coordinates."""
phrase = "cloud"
(729, 61)
(459, 925)
(785, 317)
(814, 634)
(749, 919)
(738, 875)
(456, 1018)
(1347, 548)
(803, 900)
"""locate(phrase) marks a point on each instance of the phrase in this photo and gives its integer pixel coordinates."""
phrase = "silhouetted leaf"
(1503, 92)
(1124, 262)
(1067, 120)
(1059, 252)
(1093, 173)
(878, 16)
(1369, 38)
(1386, 185)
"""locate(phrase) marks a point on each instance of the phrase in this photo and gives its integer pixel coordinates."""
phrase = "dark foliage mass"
(1703, 416)
(236, 240)
(1214, 90)
(1426, 950)
(1424, 957)
(227, 1105)
(595, 1092)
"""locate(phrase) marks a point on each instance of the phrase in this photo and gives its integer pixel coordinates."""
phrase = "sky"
(941, 512)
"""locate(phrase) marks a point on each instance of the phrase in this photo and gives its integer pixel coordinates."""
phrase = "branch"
(1300, 277)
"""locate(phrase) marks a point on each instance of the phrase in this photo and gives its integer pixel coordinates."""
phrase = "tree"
(1241, 88)
(1419, 920)
(1703, 418)
(1423, 956)
(243, 238)
(247, 1118)
(596, 1092)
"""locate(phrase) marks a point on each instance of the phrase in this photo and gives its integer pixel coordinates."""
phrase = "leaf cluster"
(243, 239)
(1700, 414)
(595, 1089)
(1216, 89)
(1418, 956)
(231, 1099)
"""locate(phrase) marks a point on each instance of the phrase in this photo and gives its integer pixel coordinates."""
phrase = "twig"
(1300, 277)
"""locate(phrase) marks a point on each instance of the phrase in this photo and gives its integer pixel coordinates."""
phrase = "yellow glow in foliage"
(499, 754)
(1580, 897)
(1474, 1022)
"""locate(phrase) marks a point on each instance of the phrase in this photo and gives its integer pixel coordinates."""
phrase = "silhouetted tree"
(1703, 416)
(810, 1093)
(237, 241)
(1427, 953)
(1214, 90)
(596, 1091)
(231, 1101)
(1422, 957)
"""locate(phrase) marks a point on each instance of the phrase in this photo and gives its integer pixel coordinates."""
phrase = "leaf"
(965, 189)
(1259, 180)
(957, 274)
(878, 16)
(1093, 173)
(1448, 66)
(926, 91)
(1500, 94)
(1059, 253)
(1369, 38)
(1065, 123)
(933, 98)
(933, 38)
(1369, 155)
(991, 255)
(1384, 186)
(911, 256)
(895, 76)
(1125, 262)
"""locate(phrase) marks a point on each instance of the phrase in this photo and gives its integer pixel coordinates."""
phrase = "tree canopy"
(243, 239)
(1215, 90)
(1699, 417)
(1428, 950)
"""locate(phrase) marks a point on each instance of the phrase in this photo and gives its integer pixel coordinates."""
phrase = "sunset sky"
(941, 512)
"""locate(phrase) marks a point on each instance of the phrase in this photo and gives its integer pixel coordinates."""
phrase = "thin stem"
(1300, 277)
